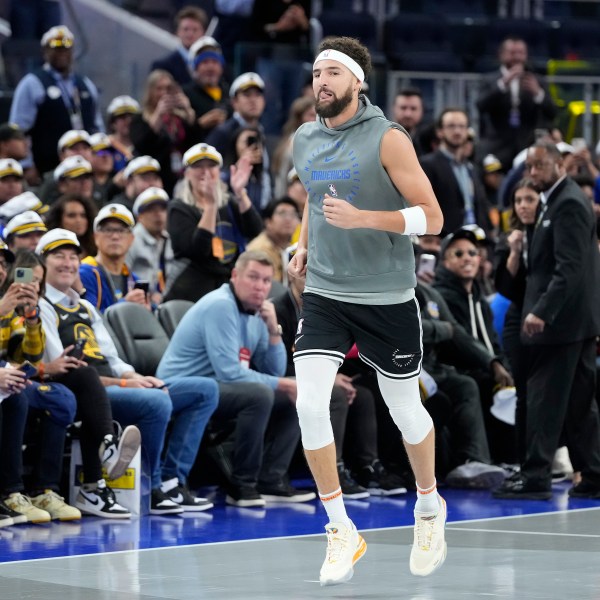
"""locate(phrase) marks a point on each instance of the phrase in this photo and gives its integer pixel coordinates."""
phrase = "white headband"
(344, 59)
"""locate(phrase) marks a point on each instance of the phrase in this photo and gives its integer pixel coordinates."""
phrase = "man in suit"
(512, 104)
(190, 25)
(562, 320)
(456, 184)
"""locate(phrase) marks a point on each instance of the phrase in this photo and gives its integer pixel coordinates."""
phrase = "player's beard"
(336, 106)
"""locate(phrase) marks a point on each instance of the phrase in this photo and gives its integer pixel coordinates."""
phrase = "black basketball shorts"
(388, 337)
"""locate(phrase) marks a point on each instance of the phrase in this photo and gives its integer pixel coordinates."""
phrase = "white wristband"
(415, 221)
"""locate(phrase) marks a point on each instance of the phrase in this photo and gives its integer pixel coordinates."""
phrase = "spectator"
(24, 231)
(510, 281)
(139, 174)
(407, 111)
(301, 111)
(13, 142)
(283, 28)
(74, 176)
(208, 225)
(232, 335)
(134, 398)
(151, 254)
(456, 281)
(456, 185)
(560, 325)
(512, 104)
(120, 111)
(103, 165)
(11, 179)
(207, 91)
(54, 404)
(190, 25)
(248, 143)
(72, 143)
(164, 129)
(248, 101)
(106, 278)
(19, 204)
(76, 214)
(29, 20)
(53, 100)
(281, 220)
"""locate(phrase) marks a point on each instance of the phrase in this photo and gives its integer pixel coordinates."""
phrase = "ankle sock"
(334, 506)
(427, 500)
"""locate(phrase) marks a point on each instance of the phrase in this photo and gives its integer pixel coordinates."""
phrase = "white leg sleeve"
(404, 401)
(315, 377)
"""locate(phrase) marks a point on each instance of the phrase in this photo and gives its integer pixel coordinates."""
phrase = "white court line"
(290, 537)
(582, 535)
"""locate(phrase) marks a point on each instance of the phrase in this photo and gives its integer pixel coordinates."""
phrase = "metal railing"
(462, 90)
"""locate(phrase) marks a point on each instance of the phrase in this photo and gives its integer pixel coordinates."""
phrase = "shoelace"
(424, 527)
(22, 501)
(336, 544)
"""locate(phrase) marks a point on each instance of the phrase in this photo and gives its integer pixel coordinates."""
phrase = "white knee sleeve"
(404, 401)
(315, 377)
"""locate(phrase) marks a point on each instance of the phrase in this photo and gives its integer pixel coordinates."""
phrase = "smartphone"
(252, 140)
(27, 368)
(426, 264)
(23, 275)
(578, 143)
(77, 350)
(142, 284)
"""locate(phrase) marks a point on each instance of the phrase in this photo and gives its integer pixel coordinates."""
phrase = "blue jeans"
(194, 401)
(191, 401)
(148, 408)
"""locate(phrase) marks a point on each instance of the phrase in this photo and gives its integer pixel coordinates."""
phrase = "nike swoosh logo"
(329, 158)
(178, 498)
(63, 317)
(94, 502)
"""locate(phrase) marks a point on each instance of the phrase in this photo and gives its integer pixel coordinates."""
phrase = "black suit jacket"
(497, 135)
(563, 280)
(174, 64)
(445, 186)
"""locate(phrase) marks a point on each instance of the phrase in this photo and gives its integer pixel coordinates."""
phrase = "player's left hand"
(340, 213)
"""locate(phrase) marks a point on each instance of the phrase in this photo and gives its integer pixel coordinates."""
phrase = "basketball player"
(366, 195)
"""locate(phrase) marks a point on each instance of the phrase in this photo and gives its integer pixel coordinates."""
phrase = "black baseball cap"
(459, 234)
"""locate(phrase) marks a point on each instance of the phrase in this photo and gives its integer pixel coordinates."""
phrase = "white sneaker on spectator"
(56, 506)
(22, 505)
(181, 495)
(101, 502)
(116, 455)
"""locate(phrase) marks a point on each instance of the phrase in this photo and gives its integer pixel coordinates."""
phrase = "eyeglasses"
(461, 253)
(120, 231)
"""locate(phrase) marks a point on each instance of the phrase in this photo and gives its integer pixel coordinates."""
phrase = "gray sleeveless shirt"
(362, 266)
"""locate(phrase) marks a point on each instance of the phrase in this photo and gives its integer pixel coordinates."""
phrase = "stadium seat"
(170, 313)
(140, 335)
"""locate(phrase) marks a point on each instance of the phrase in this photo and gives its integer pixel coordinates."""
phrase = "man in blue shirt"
(232, 335)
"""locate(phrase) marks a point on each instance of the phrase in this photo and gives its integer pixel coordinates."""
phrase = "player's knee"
(404, 402)
(315, 423)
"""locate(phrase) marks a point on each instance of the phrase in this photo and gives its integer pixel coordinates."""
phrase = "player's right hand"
(297, 265)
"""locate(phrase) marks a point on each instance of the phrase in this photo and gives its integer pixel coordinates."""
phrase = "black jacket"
(447, 191)
(472, 311)
(173, 63)
(563, 269)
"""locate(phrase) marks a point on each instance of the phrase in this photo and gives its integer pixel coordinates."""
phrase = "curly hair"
(350, 46)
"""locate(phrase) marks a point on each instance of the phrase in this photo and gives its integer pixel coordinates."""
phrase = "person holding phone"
(247, 143)
(20, 355)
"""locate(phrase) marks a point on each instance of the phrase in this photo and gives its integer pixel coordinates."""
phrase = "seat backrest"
(170, 313)
(140, 335)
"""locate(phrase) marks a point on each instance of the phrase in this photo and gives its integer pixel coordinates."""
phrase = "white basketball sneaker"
(345, 546)
(429, 546)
